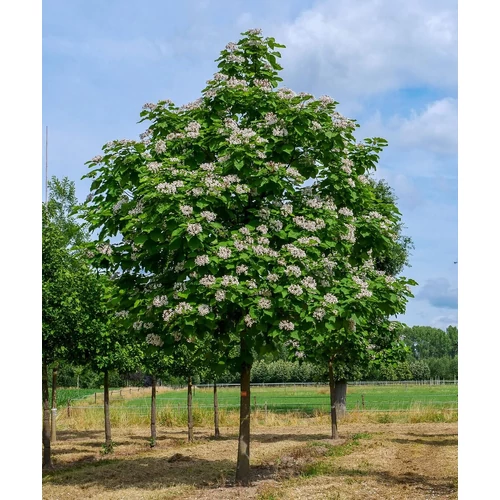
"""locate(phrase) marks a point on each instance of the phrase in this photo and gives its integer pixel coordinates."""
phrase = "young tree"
(212, 202)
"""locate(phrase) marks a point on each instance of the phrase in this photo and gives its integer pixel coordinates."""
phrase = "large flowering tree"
(247, 215)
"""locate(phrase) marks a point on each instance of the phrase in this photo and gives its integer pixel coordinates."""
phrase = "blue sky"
(391, 65)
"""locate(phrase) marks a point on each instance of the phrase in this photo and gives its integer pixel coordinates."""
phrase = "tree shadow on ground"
(432, 442)
(441, 486)
(153, 473)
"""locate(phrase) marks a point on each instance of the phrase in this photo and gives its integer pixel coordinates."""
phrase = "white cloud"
(368, 46)
(439, 293)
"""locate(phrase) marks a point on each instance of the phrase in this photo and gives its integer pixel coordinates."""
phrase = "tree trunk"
(53, 413)
(340, 397)
(47, 459)
(190, 409)
(216, 411)
(153, 412)
(107, 422)
(333, 411)
(243, 464)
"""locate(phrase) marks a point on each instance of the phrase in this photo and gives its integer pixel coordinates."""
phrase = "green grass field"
(297, 398)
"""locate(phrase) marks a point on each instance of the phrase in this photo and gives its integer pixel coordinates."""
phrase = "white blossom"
(209, 216)
(249, 321)
(203, 309)
(160, 300)
(208, 280)
(224, 252)
(194, 229)
(319, 313)
(242, 269)
(329, 298)
(286, 325)
(201, 260)
(295, 290)
(220, 295)
(229, 280)
(264, 303)
(183, 307)
(186, 210)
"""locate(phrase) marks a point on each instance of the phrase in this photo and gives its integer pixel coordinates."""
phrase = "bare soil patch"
(370, 461)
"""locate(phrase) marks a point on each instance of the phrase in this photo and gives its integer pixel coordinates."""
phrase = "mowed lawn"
(294, 398)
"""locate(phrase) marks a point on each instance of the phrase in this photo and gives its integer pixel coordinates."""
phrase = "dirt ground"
(369, 461)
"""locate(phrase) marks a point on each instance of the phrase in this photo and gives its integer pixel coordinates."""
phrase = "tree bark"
(190, 409)
(153, 411)
(53, 413)
(340, 397)
(216, 411)
(333, 411)
(47, 459)
(243, 463)
(107, 421)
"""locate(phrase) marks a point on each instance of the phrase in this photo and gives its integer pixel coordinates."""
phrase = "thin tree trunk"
(243, 463)
(47, 459)
(53, 413)
(190, 409)
(333, 411)
(340, 397)
(216, 411)
(153, 412)
(107, 420)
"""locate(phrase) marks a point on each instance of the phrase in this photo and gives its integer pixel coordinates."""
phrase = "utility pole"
(46, 164)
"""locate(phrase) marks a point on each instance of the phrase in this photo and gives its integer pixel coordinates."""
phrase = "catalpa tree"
(237, 207)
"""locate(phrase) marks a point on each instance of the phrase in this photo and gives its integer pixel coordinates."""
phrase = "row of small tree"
(240, 223)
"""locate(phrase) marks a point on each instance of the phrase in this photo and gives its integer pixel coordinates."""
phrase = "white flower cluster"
(160, 146)
(235, 58)
(319, 314)
(364, 288)
(194, 229)
(351, 182)
(295, 252)
(264, 303)
(193, 130)
(262, 229)
(249, 321)
(286, 325)
(280, 132)
(270, 118)
(314, 203)
(137, 325)
(203, 309)
(329, 298)
(201, 260)
(242, 269)
(309, 225)
(295, 290)
(208, 167)
(220, 295)
(208, 280)
(124, 199)
(183, 307)
(293, 270)
(265, 85)
(350, 236)
(346, 211)
(285, 93)
(234, 82)
(224, 252)
(168, 314)
(154, 166)
(186, 210)
(309, 240)
(169, 187)
(309, 282)
(121, 314)
(153, 339)
(273, 278)
(287, 209)
(347, 165)
(251, 284)
(229, 280)
(160, 300)
(104, 248)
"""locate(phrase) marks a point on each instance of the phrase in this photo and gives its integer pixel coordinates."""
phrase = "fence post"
(265, 409)
(363, 401)
(69, 407)
(95, 397)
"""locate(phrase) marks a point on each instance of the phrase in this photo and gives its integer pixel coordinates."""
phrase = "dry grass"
(370, 461)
